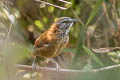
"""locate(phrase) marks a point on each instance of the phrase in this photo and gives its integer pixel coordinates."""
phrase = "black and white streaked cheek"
(71, 24)
(68, 29)
(63, 25)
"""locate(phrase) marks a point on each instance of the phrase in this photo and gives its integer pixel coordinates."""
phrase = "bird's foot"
(57, 68)
(33, 64)
(33, 67)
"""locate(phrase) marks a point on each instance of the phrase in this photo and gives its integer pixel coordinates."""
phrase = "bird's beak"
(73, 20)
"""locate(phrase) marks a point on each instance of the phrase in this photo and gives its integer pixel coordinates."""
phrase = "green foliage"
(94, 11)
(12, 54)
(89, 52)
(39, 24)
(73, 50)
(51, 9)
(21, 3)
(73, 2)
(15, 52)
(45, 20)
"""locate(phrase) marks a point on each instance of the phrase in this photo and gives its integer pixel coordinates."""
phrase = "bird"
(51, 43)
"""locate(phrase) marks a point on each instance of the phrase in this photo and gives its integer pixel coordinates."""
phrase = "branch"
(47, 69)
(105, 50)
(66, 74)
(51, 4)
(44, 69)
(65, 2)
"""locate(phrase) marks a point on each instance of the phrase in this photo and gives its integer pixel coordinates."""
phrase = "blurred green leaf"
(12, 54)
(82, 37)
(79, 52)
(51, 9)
(45, 19)
(73, 50)
(21, 3)
(94, 11)
(113, 54)
(39, 24)
(87, 50)
(55, 19)
(68, 5)
(73, 2)
(15, 53)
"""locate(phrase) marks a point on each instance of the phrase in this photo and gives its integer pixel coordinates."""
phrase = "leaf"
(51, 9)
(82, 37)
(73, 50)
(73, 2)
(15, 53)
(39, 24)
(45, 19)
(94, 11)
(87, 50)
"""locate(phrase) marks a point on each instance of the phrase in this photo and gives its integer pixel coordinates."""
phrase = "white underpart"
(46, 45)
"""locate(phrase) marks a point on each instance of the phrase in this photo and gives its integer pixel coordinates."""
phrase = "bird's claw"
(33, 67)
(57, 68)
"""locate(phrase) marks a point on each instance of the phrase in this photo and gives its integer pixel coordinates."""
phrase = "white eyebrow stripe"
(61, 21)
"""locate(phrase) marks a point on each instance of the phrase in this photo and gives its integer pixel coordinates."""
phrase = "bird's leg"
(33, 64)
(57, 66)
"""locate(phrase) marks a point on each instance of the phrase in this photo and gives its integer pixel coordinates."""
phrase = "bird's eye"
(65, 22)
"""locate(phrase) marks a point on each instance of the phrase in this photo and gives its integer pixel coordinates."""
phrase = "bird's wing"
(46, 45)
(42, 41)
(47, 50)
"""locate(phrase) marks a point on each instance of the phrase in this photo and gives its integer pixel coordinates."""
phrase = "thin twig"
(44, 69)
(82, 23)
(107, 68)
(8, 34)
(65, 1)
(99, 18)
(105, 50)
(51, 4)
(4, 6)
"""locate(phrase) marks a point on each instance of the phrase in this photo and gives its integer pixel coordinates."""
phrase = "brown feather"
(48, 45)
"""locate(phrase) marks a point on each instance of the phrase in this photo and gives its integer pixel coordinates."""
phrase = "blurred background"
(22, 21)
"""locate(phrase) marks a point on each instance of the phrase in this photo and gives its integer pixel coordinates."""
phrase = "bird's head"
(65, 24)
